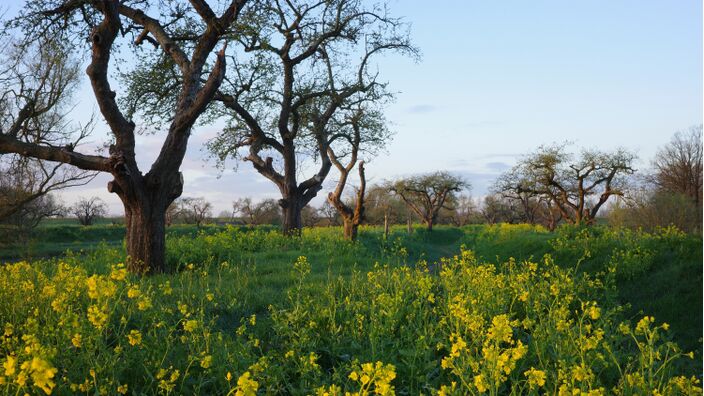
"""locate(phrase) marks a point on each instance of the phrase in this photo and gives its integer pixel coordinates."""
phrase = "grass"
(657, 274)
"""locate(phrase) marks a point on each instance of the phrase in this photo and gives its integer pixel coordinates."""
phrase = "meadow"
(503, 309)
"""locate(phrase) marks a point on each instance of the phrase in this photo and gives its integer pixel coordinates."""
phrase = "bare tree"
(87, 210)
(577, 187)
(331, 214)
(196, 210)
(36, 87)
(306, 62)
(427, 194)
(266, 211)
(145, 196)
(678, 165)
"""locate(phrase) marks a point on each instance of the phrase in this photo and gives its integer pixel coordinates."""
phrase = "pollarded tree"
(427, 194)
(199, 73)
(304, 62)
(363, 130)
(577, 186)
(678, 165)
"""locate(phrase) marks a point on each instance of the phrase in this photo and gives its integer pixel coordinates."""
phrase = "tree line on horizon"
(295, 82)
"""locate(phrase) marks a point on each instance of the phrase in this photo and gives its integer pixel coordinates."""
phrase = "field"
(505, 309)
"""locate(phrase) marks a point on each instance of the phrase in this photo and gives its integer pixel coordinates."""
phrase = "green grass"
(658, 274)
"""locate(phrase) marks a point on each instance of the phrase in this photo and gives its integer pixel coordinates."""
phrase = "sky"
(496, 80)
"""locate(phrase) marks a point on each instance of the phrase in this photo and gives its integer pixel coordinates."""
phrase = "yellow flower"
(535, 377)
(246, 386)
(42, 374)
(119, 273)
(190, 325)
(479, 383)
(206, 362)
(97, 316)
(144, 303)
(10, 365)
(500, 329)
(594, 312)
(122, 389)
(134, 337)
(76, 340)
(134, 292)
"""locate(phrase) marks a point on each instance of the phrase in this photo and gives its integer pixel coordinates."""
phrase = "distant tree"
(466, 211)
(678, 165)
(496, 209)
(266, 211)
(308, 63)
(328, 212)
(577, 186)
(309, 216)
(87, 210)
(20, 225)
(427, 194)
(196, 210)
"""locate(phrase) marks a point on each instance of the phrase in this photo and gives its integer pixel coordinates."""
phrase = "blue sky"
(499, 78)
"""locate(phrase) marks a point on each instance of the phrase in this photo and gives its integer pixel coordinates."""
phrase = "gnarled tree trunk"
(291, 206)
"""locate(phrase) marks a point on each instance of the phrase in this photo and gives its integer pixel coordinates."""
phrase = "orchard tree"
(87, 210)
(678, 165)
(197, 71)
(427, 194)
(362, 130)
(195, 210)
(304, 62)
(577, 186)
(266, 211)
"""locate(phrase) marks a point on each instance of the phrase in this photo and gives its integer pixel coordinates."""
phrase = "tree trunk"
(429, 222)
(291, 224)
(145, 224)
(145, 199)
(409, 225)
(386, 226)
(350, 229)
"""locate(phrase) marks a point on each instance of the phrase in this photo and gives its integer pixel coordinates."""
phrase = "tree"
(306, 64)
(678, 165)
(87, 210)
(195, 210)
(363, 129)
(145, 197)
(383, 207)
(20, 225)
(36, 87)
(465, 211)
(266, 211)
(577, 186)
(328, 212)
(427, 194)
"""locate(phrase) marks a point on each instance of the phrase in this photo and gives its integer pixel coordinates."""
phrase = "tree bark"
(145, 199)
(146, 237)
(386, 226)
(409, 225)
(291, 207)
(429, 222)
(350, 229)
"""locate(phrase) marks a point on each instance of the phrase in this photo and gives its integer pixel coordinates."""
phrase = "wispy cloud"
(422, 109)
